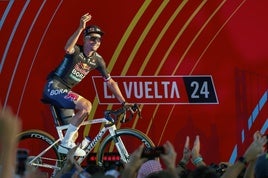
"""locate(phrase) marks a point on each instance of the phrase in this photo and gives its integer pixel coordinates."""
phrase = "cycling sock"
(69, 133)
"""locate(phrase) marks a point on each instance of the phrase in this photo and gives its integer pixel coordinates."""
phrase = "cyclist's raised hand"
(84, 19)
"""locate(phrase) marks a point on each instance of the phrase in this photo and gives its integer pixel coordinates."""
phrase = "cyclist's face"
(92, 41)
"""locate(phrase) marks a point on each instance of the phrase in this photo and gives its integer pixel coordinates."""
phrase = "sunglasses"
(94, 38)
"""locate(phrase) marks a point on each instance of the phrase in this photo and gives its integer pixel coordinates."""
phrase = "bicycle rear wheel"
(131, 139)
(37, 141)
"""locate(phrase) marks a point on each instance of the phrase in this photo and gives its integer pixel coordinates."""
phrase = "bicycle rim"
(131, 139)
(35, 142)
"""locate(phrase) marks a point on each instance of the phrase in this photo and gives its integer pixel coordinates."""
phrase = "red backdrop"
(226, 40)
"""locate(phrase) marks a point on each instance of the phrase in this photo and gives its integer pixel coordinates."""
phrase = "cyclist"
(78, 61)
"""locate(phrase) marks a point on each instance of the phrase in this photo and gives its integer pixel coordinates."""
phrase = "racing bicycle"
(42, 146)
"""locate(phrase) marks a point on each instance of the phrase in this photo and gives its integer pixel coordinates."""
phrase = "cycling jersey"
(72, 70)
(76, 66)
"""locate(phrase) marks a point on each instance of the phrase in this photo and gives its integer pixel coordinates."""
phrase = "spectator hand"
(196, 148)
(186, 151)
(135, 159)
(10, 124)
(169, 157)
(256, 147)
(135, 162)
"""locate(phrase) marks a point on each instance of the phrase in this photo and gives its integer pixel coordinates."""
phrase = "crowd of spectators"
(252, 164)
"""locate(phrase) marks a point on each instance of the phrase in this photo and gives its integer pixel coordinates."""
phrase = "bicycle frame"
(114, 138)
(109, 126)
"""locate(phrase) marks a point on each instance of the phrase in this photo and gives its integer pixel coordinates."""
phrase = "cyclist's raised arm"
(69, 47)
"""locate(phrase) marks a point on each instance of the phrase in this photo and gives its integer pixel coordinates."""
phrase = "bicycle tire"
(132, 135)
(35, 141)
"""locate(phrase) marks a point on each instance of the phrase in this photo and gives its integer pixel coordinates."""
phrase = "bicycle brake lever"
(123, 120)
(137, 109)
(132, 109)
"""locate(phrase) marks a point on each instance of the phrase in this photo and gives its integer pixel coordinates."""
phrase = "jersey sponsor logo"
(80, 71)
(71, 96)
(197, 89)
(57, 91)
(82, 67)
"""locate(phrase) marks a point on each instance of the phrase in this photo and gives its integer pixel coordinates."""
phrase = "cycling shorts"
(59, 95)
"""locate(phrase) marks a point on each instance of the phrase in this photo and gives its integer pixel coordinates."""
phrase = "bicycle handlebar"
(113, 115)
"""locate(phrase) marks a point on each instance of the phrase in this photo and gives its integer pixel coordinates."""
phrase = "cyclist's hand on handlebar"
(133, 108)
(129, 107)
(126, 104)
(127, 112)
(130, 110)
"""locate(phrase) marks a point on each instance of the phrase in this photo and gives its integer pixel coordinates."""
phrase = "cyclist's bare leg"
(83, 107)
(80, 115)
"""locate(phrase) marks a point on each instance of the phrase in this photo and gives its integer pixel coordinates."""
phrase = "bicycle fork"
(119, 145)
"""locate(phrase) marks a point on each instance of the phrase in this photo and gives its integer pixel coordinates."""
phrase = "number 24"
(203, 90)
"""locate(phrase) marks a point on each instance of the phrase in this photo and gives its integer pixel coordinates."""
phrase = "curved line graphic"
(116, 54)
(140, 41)
(190, 19)
(2, 21)
(213, 38)
(1, 24)
(39, 45)
(143, 35)
(128, 33)
(7, 49)
(198, 33)
(160, 36)
(147, 58)
(169, 50)
(166, 123)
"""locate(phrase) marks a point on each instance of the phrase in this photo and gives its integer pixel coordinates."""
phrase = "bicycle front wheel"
(42, 151)
(128, 139)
